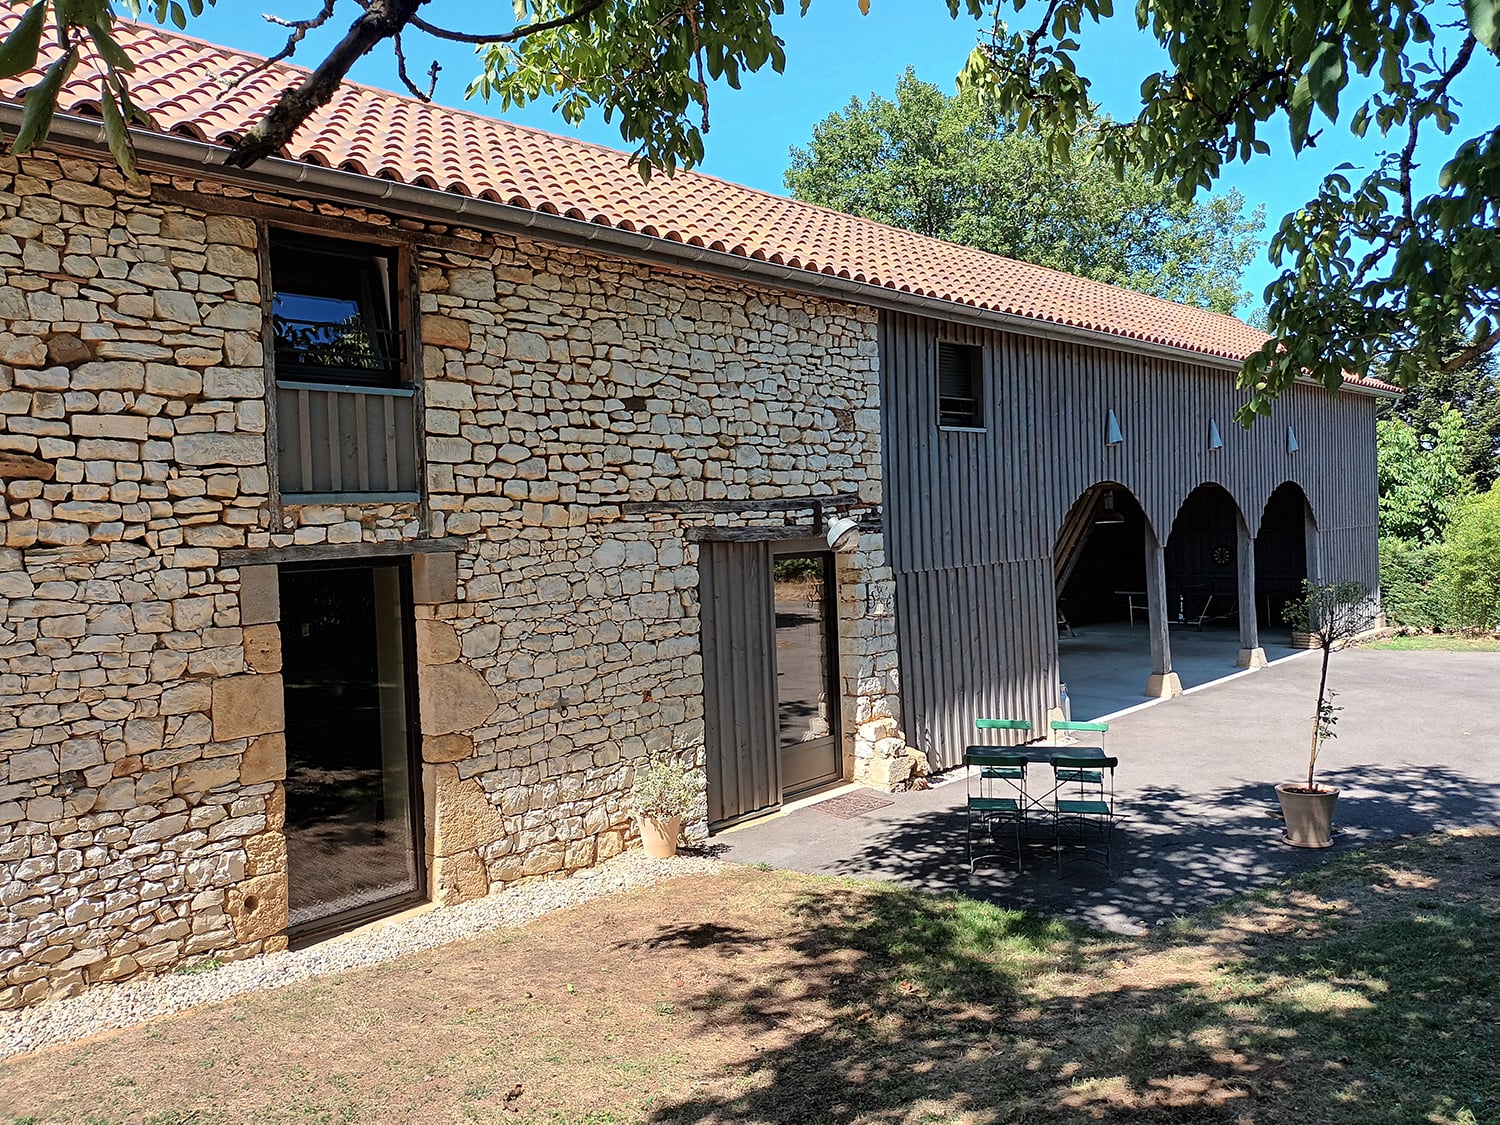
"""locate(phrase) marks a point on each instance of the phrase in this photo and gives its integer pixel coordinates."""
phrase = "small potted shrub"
(662, 795)
(1328, 612)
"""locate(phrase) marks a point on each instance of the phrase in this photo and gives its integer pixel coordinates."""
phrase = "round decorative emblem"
(1223, 555)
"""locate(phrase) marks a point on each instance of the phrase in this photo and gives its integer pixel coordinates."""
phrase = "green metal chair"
(996, 790)
(1023, 725)
(1092, 777)
(1083, 805)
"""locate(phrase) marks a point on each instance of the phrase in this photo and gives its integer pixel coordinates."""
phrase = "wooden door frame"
(818, 546)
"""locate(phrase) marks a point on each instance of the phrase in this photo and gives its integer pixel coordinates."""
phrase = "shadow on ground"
(1173, 851)
(1372, 1009)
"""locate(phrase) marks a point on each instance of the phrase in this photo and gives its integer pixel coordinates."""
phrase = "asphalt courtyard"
(1418, 749)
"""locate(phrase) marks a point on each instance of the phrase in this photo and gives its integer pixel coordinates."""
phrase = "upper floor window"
(960, 386)
(333, 311)
(346, 424)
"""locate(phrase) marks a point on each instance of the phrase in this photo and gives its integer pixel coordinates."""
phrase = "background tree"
(1378, 274)
(947, 166)
(1471, 568)
(1423, 482)
(1474, 391)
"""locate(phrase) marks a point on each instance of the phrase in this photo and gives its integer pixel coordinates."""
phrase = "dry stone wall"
(132, 452)
(141, 749)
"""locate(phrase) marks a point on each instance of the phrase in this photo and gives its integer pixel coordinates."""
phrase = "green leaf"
(118, 135)
(1484, 21)
(41, 102)
(18, 52)
(1327, 75)
(1258, 25)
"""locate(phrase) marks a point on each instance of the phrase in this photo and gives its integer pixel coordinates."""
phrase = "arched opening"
(1099, 574)
(1201, 558)
(1282, 550)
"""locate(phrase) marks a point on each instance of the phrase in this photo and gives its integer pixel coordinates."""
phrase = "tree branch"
(1438, 90)
(300, 28)
(432, 72)
(1471, 353)
(382, 19)
(515, 34)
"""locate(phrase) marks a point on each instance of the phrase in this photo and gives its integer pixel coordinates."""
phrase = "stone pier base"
(1164, 686)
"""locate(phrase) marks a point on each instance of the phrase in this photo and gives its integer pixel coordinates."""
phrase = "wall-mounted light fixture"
(1113, 435)
(1291, 440)
(1215, 441)
(843, 532)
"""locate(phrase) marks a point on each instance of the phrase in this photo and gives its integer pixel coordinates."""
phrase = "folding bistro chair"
(1083, 804)
(996, 780)
(1091, 777)
(995, 797)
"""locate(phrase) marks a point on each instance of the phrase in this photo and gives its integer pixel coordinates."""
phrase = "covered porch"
(1105, 665)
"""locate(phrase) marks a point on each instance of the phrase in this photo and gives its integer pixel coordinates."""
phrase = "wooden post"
(1163, 683)
(1251, 655)
(1311, 544)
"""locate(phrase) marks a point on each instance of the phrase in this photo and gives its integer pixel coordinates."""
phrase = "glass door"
(807, 690)
(352, 807)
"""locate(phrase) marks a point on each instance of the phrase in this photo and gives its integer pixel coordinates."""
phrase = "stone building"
(368, 514)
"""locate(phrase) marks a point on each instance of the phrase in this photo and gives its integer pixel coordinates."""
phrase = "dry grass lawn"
(1364, 993)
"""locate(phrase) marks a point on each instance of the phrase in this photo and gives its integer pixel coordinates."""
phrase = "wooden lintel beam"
(712, 507)
(751, 534)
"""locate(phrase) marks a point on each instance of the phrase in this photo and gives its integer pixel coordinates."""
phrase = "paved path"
(1418, 749)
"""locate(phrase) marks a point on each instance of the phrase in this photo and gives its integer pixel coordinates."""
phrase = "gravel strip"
(121, 1005)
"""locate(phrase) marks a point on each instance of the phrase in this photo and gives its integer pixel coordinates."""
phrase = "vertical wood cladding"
(971, 516)
(739, 670)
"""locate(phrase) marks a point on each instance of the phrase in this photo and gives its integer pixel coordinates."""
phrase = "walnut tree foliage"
(1379, 272)
(944, 165)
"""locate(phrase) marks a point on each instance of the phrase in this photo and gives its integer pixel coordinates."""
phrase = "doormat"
(850, 805)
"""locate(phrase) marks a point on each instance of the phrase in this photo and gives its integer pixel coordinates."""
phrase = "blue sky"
(833, 53)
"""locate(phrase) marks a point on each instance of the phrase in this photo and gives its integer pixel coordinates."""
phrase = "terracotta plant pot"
(1308, 816)
(659, 837)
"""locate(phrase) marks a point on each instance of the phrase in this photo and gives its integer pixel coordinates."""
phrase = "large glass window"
(352, 805)
(333, 311)
(807, 689)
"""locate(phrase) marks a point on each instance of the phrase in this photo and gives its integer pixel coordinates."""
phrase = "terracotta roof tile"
(180, 82)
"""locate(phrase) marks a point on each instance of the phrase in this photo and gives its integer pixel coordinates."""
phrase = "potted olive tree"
(1330, 613)
(662, 795)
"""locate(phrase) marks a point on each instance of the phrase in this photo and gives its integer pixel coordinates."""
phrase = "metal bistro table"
(1038, 753)
(999, 763)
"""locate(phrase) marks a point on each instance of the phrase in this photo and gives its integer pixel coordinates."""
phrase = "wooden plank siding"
(971, 517)
(741, 733)
(344, 440)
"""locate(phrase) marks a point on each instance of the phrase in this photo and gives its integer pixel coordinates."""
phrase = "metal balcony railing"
(347, 352)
